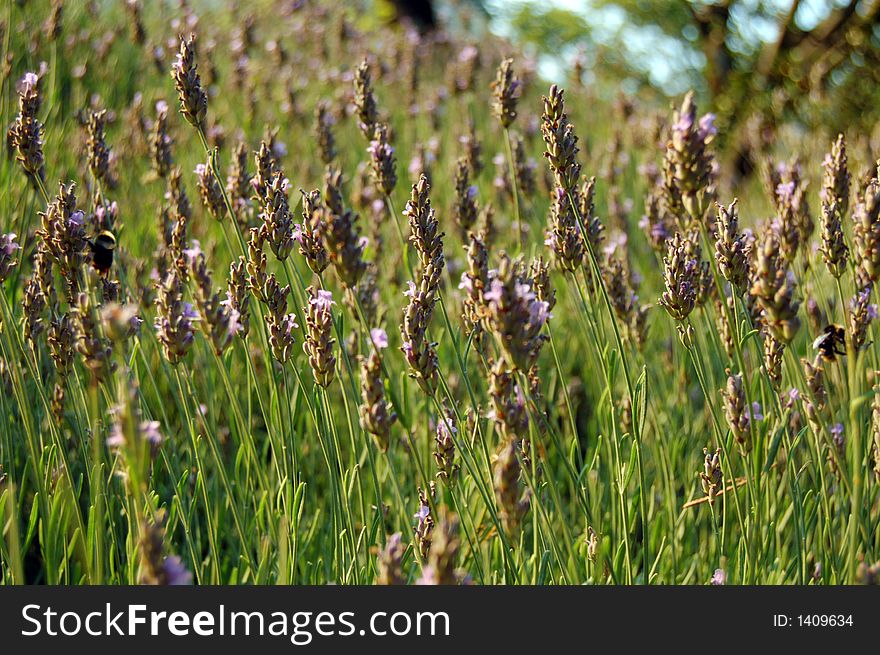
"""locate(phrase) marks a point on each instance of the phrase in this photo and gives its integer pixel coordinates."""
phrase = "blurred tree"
(768, 60)
(758, 62)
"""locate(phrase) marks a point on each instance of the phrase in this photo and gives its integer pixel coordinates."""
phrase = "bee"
(830, 342)
(102, 251)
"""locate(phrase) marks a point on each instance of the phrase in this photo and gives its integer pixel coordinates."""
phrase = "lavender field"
(289, 297)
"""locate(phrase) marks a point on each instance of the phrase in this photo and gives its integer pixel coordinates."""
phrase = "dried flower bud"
(210, 190)
(773, 353)
(419, 352)
(514, 314)
(773, 286)
(174, 318)
(219, 321)
(256, 264)
(63, 233)
(444, 448)
(475, 280)
(341, 236)
(375, 413)
(680, 272)
(193, 99)
(690, 163)
(512, 502)
(365, 100)
(508, 403)
(161, 142)
(711, 477)
(280, 324)
(425, 235)
(318, 344)
(25, 136)
(465, 209)
(278, 226)
(731, 247)
(89, 341)
(506, 90)
(866, 232)
(324, 133)
(739, 415)
(834, 250)
(424, 525)
(237, 296)
(836, 179)
(382, 160)
(8, 248)
(561, 141)
(310, 232)
(861, 313)
(239, 185)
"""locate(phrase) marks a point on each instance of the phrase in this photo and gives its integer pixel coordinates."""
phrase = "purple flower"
(235, 325)
(466, 283)
(192, 253)
(77, 219)
(659, 233)
(718, 578)
(379, 338)
(410, 289)
(837, 435)
(323, 300)
(135, 323)
(150, 432)
(378, 150)
(616, 241)
(516, 88)
(520, 397)
(8, 245)
(754, 414)
(524, 292)
(407, 349)
(28, 83)
(175, 572)
(685, 288)
(684, 123)
(539, 312)
(298, 233)
(496, 289)
(446, 429)
(116, 438)
(785, 191)
(289, 324)
(189, 312)
(707, 129)
(423, 513)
